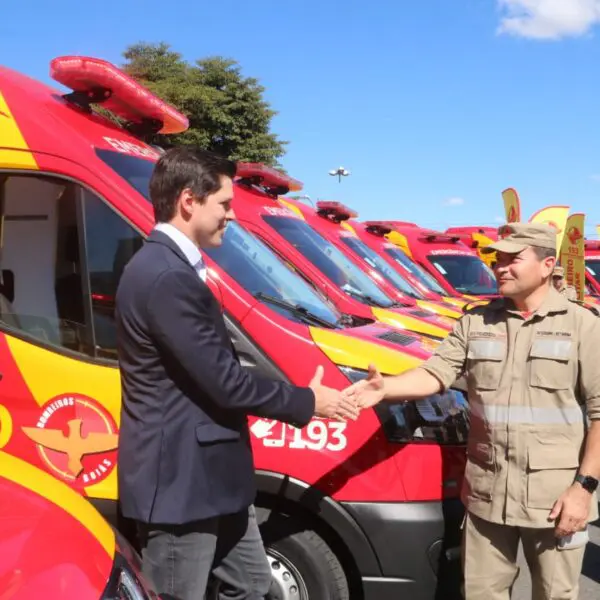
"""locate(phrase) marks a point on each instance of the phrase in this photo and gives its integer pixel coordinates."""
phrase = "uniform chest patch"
(486, 345)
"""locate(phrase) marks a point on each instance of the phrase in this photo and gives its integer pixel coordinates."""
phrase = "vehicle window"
(337, 267)
(259, 271)
(110, 244)
(381, 266)
(466, 274)
(415, 270)
(592, 266)
(42, 283)
(136, 171)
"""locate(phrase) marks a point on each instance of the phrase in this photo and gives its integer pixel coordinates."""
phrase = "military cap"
(558, 271)
(515, 237)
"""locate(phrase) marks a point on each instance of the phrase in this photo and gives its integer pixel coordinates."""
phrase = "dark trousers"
(178, 559)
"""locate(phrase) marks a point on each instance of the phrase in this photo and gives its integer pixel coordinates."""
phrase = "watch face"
(588, 483)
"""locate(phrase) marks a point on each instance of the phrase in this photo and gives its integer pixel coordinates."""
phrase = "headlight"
(440, 418)
(124, 583)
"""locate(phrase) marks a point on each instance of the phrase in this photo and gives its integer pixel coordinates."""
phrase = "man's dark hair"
(542, 253)
(183, 167)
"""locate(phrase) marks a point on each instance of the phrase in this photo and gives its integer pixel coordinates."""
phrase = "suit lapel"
(158, 237)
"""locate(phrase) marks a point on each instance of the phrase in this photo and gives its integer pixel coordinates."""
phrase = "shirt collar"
(189, 249)
(554, 302)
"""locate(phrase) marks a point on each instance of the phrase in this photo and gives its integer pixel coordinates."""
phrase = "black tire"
(295, 549)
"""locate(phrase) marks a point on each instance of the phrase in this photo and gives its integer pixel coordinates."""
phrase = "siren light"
(592, 244)
(96, 81)
(337, 210)
(272, 180)
(380, 228)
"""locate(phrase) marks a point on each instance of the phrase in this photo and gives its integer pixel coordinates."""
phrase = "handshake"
(347, 404)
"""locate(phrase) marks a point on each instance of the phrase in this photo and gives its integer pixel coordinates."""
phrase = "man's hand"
(369, 391)
(330, 403)
(571, 511)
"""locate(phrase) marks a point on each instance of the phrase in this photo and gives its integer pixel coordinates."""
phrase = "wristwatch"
(587, 483)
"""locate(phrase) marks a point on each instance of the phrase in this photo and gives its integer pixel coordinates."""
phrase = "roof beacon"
(379, 228)
(96, 81)
(274, 182)
(336, 211)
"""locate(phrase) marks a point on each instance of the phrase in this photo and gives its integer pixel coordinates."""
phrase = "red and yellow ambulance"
(456, 267)
(374, 234)
(73, 209)
(55, 545)
(332, 221)
(285, 229)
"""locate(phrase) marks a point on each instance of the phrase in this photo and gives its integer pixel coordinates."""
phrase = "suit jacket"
(184, 449)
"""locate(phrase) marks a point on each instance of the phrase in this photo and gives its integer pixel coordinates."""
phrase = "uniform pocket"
(551, 470)
(485, 360)
(549, 363)
(481, 470)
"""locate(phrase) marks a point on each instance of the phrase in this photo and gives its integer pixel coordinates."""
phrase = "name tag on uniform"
(486, 346)
(552, 345)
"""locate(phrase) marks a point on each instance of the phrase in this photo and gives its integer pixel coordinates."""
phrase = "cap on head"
(515, 237)
(558, 271)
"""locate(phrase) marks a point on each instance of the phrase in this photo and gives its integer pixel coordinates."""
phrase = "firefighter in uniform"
(558, 281)
(531, 362)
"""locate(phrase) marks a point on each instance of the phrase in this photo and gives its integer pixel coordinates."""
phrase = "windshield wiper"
(364, 297)
(296, 309)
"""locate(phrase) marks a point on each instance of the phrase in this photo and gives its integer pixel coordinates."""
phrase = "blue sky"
(434, 106)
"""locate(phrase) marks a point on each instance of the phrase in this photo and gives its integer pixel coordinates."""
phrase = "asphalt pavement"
(590, 576)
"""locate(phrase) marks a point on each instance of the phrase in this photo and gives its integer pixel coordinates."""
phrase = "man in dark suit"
(186, 472)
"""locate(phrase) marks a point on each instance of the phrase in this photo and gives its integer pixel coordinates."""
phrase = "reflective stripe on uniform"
(552, 348)
(517, 415)
(487, 349)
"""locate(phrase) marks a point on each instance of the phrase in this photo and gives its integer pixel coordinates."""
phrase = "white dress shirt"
(189, 249)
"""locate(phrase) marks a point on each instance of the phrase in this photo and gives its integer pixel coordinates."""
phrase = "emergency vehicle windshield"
(381, 266)
(415, 270)
(259, 271)
(466, 274)
(255, 267)
(329, 260)
(592, 266)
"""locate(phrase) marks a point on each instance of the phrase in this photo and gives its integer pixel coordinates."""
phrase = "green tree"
(227, 111)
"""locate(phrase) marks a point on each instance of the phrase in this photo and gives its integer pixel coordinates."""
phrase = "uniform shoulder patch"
(590, 307)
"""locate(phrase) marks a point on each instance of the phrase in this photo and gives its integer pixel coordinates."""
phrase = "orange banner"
(557, 217)
(572, 253)
(512, 205)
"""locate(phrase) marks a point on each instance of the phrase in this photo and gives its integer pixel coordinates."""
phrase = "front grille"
(400, 339)
(421, 313)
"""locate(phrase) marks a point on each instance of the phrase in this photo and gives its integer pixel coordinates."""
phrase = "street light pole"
(340, 172)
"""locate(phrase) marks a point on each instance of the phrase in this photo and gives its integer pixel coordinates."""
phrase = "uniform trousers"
(489, 557)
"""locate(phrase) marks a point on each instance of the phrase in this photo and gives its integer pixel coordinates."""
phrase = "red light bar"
(378, 227)
(96, 81)
(268, 177)
(592, 244)
(335, 209)
(471, 230)
(428, 235)
(397, 224)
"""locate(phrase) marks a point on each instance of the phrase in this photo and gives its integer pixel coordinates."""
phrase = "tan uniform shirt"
(529, 382)
(569, 292)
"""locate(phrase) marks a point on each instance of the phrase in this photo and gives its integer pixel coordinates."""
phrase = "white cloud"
(548, 19)
(500, 220)
(454, 201)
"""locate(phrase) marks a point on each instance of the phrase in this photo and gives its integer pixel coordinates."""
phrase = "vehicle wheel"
(303, 565)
